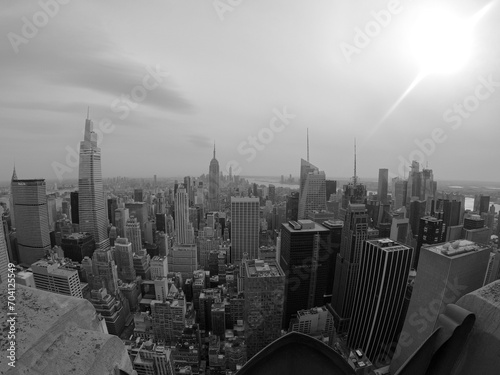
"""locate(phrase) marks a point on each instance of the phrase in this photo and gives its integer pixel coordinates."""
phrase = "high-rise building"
(133, 234)
(159, 267)
(213, 184)
(4, 257)
(399, 229)
(417, 211)
(355, 231)
(124, 259)
(331, 188)
(169, 317)
(30, 208)
(91, 207)
(430, 232)
(52, 277)
(451, 212)
(264, 289)
(183, 258)
(446, 272)
(383, 185)
(184, 231)
(112, 206)
(481, 203)
(139, 210)
(102, 272)
(272, 193)
(111, 309)
(292, 207)
(138, 195)
(245, 213)
(334, 241)
(307, 260)
(313, 189)
(121, 218)
(378, 301)
(77, 246)
(161, 222)
(51, 211)
(400, 189)
(75, 217)
(66, 209)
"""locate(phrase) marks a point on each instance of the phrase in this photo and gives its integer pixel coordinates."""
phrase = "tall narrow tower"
(91, 205)
(354, 232)
(183, 228)
(29, 198)
(213, 184)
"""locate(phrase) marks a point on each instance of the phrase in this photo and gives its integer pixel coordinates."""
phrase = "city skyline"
(205, 91)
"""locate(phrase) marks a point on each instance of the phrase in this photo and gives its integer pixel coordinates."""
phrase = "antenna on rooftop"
(308, 145)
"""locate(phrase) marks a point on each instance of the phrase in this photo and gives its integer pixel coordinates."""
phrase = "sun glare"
(441, 41)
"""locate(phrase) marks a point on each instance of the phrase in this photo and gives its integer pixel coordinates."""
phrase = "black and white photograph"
(249, 187)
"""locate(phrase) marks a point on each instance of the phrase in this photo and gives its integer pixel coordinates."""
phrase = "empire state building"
(90, 190)
(213, 185)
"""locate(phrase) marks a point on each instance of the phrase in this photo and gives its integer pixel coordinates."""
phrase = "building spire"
(308, 145)
(14, 174)
(214, 149)
(355, 178)
(88, 112)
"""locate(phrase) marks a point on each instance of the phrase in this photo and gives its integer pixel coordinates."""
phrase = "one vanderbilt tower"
(91, 195)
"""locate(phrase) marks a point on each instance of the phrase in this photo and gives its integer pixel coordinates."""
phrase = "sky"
(197, 72)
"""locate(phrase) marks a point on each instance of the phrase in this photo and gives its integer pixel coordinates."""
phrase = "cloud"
(200, 141)
(83, 58)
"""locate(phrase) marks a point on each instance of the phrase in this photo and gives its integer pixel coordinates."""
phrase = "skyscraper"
(400, 190)
(430, 232)
(124, 259)
(264, 287)
(306, 260)
(103, 271)
(292, 207)
(75, 216)
(312, 189)
(378, 301)
(213, 184)
(133, 234)
(446, 272)
(91, 207)
(355, 231)
(184, 231)
(331, 188)
(245, 214)
(138, 195)
(77, 246)
(30, 208)
(383, 184)
(334, 241)
(121, 218)
(4, 257)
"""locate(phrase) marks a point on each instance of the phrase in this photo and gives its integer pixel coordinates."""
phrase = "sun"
(441, 41)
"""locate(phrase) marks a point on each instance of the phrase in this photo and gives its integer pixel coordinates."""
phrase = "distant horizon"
(256, 177)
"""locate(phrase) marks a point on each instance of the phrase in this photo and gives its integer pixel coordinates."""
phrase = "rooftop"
(456, 248)
(260, 268)
(304, 226)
